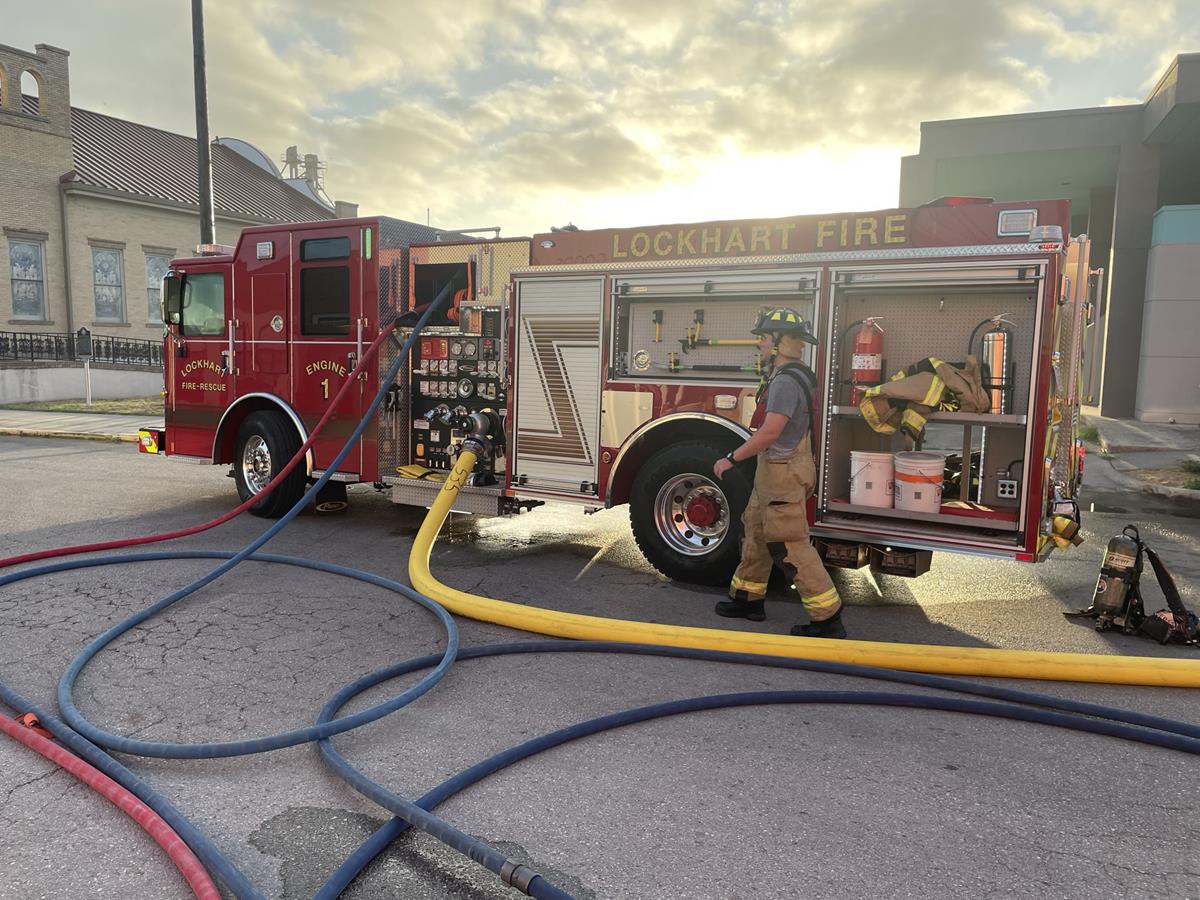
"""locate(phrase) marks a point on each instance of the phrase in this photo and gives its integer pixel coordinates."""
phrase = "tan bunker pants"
(775, 526)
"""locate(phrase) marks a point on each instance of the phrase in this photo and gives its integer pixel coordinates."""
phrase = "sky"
(528, 114)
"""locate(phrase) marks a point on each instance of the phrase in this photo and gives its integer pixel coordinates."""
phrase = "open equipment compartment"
(459, 364)
(657, 317)
(932, 312)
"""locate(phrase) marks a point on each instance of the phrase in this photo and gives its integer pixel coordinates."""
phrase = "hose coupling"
(517, 875)
(484, 431)
(477, 445)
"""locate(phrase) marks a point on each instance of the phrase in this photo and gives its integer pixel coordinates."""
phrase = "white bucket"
(871, 479)
(919, 477)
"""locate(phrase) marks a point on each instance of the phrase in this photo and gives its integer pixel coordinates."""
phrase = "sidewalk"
(1125, 445)
(89, 426)
(1129, 446)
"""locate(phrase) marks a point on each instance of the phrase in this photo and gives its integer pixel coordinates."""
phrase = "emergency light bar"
(214, 250)
(1046, 234)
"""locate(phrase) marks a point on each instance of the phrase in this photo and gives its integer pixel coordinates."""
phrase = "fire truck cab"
(620, 365)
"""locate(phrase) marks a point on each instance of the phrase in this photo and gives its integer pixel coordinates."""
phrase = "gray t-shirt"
(785, 396)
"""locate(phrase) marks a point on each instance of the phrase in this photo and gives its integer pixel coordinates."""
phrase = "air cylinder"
(1117, 575)
(997, 350)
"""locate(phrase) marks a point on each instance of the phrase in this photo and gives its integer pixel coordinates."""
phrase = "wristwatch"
(729, 456)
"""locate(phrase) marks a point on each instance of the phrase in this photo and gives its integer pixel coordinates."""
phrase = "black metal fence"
(19, 345)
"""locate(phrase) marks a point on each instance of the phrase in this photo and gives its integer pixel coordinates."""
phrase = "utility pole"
(204, 160)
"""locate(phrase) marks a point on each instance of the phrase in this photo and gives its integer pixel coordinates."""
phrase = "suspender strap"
(806, 379)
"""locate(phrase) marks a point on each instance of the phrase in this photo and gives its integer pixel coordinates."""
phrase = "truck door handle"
(227, 355)
(362, 376)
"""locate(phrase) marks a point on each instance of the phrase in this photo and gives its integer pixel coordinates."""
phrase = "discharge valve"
(484, 433)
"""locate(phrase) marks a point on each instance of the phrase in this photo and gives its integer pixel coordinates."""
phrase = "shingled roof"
(136, 159)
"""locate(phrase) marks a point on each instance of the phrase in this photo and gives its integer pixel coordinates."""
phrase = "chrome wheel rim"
(256, 464)
(691, 514)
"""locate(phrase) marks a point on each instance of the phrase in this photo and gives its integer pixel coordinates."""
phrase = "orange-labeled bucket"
(919, 477)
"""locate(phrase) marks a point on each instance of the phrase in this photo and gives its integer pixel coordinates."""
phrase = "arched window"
(31, 92)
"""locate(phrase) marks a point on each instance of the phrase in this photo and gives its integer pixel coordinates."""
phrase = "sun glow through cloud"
(734, 186)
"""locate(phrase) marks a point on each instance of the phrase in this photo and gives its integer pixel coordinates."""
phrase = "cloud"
(869, 72)
(1111, 25)
(494, 109)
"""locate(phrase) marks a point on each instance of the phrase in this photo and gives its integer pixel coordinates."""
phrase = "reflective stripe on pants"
(775, 531)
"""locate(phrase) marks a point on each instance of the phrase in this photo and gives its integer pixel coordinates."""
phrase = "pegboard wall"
(725, 318)
(917, 325)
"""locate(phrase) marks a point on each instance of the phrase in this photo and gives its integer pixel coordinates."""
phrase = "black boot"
(754, 610)
(826, 628)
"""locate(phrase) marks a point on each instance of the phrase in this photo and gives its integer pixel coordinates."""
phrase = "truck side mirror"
(172, 298)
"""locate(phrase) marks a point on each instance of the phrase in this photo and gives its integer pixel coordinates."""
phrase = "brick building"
(93, 207)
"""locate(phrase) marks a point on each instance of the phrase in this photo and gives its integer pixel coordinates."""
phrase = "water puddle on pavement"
(309, 843)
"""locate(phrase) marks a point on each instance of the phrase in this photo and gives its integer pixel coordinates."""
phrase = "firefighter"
(775, 523)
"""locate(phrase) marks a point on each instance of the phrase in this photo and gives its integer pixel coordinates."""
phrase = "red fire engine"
(621, 366)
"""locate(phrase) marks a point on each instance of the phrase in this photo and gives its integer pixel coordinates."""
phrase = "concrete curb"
(1116, 448)
(110, 438)
(1136, 484)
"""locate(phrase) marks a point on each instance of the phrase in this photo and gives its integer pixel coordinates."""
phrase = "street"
(776, 801)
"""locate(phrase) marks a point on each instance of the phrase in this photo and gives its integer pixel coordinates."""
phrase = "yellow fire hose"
(930, 658)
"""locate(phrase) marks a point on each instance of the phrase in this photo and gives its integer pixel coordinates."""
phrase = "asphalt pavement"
(812, 801)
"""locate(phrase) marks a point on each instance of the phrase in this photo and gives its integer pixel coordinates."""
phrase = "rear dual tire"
(686, 522)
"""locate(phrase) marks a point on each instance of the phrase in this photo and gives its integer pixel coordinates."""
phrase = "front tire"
(266, 441)
(686, 522)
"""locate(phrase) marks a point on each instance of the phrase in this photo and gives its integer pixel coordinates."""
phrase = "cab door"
(260, 305)
(201, 373)
(326, 336)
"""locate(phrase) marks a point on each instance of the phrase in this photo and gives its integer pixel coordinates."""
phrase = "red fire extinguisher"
(866, 366)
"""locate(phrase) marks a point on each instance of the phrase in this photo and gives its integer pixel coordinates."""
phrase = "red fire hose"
(146, 818)
(368, 354)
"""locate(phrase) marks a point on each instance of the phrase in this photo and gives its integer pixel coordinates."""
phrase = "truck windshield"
(203, 305)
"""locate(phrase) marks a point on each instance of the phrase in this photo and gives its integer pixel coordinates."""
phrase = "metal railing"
(18, 345)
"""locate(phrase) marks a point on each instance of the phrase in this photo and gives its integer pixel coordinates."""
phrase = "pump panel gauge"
(456, 348)
(468, 349)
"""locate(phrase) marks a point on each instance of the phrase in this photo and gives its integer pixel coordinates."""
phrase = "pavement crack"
(10, 794)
